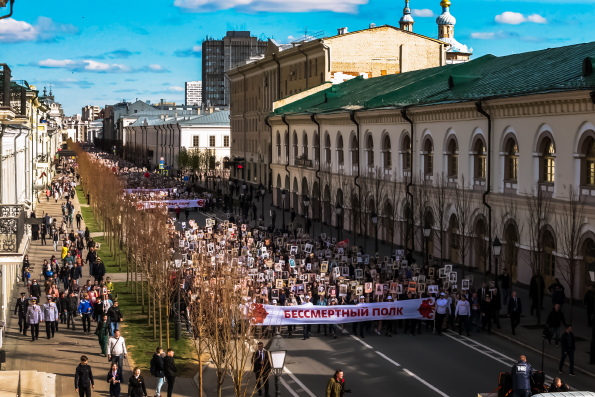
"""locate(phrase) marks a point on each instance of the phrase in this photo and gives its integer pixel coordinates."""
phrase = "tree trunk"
(142, 293)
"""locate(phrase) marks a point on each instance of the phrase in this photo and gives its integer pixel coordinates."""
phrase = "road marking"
(473, 345)
(388, 359)
(293, 393)
(298, 382)
(361, 341)
(425, 383)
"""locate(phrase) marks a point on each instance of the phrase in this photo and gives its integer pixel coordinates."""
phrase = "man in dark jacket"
(115, 316)
(515, 309)
(71, 307)
(554, 320)
(157, 369)
(536, 287)
(83, 378)
(35, 289)
(170, 371)
(568, 347)
(91, 259)
(21, 309)
(99, 271)
(521, 374)
(261, 368)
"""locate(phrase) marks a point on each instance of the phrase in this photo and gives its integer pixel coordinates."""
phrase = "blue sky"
(98, 53)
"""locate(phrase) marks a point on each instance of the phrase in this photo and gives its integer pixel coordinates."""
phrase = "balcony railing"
(12, 227)
(300, 162)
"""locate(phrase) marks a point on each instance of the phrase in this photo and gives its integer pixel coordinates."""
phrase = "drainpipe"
(409, 194)
(480, 109)
(16, 194)
(359, 189)
(29, 164)
(266, 121)
(313, 118)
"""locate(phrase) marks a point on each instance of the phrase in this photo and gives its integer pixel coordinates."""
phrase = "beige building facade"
(304, 67)
(527, 144)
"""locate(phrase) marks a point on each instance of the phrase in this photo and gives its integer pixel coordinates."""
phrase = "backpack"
(152, 369)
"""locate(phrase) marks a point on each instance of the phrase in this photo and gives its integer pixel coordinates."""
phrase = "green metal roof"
(549, 70)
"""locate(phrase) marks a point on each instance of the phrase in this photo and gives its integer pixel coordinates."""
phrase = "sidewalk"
(60, 355)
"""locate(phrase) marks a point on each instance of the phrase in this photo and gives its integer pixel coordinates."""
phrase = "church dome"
(446, 18)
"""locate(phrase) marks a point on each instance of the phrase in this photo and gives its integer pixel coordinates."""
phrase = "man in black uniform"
(521, 378)
(21, 309)
(35, 289)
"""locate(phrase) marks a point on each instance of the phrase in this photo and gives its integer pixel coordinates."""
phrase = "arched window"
(453, 158)
(354, 154)
(316, 149)
(327, 149)
(387, 159)
(511, 165)
(340, 158)
(549, 259)
(428, 157)
(278, 146)
(295, 146)
(286, 146)
(548, 161)
(480, 159)
(407, 153)
(370, 151)
(305, 146)
(588, 162)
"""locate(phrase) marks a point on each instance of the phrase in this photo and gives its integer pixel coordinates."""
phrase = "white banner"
(420, 309)
(171, 204)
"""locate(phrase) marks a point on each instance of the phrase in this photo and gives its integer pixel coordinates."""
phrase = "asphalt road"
(420, 365)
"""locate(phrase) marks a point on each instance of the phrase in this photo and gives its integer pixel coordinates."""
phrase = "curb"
(539, 351)
(197, 380)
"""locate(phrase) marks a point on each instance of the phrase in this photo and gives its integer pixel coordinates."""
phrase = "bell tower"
(406, 22)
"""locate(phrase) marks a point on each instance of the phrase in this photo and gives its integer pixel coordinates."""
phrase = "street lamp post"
(306, 202)
(592, 354)
(277, 354)
(338, 210)
(427, 231)
(283, 194)
(497, 247)
(262, 192)
(178, 328)
(375, 222)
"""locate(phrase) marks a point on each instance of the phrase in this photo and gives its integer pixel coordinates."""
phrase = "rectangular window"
(407, 160)
(549, 169)
(550, 263)
(590, 172)
(212, 141)
(454, 165)
(226, 141)
(195, 141)
(430, 165)
(481, 167)
(340, 156)
(513, 164)
(387, 159)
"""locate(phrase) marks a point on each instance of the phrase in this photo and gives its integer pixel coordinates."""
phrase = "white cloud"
(175, 89)
(340, 6)
(195, 51)
(13, 31)
(424, 13)
(516, 18)
(536, 18)
(92, 66)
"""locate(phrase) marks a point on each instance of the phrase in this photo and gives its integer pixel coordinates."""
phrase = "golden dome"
(445, 3)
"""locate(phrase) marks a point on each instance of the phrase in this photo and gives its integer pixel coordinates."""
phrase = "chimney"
(372, 25)
(211, 109)
(162, 104)
(341, 31)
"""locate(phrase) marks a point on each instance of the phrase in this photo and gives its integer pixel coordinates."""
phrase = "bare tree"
(390, 214)
(420, 208)
(440, 198)
(511, 233)
(463, 201)
(570, 224)
(539, 210)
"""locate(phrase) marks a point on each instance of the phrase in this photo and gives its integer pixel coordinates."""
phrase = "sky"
(99, 53)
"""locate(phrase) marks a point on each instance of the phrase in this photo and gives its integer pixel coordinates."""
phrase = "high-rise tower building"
(219, 56)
